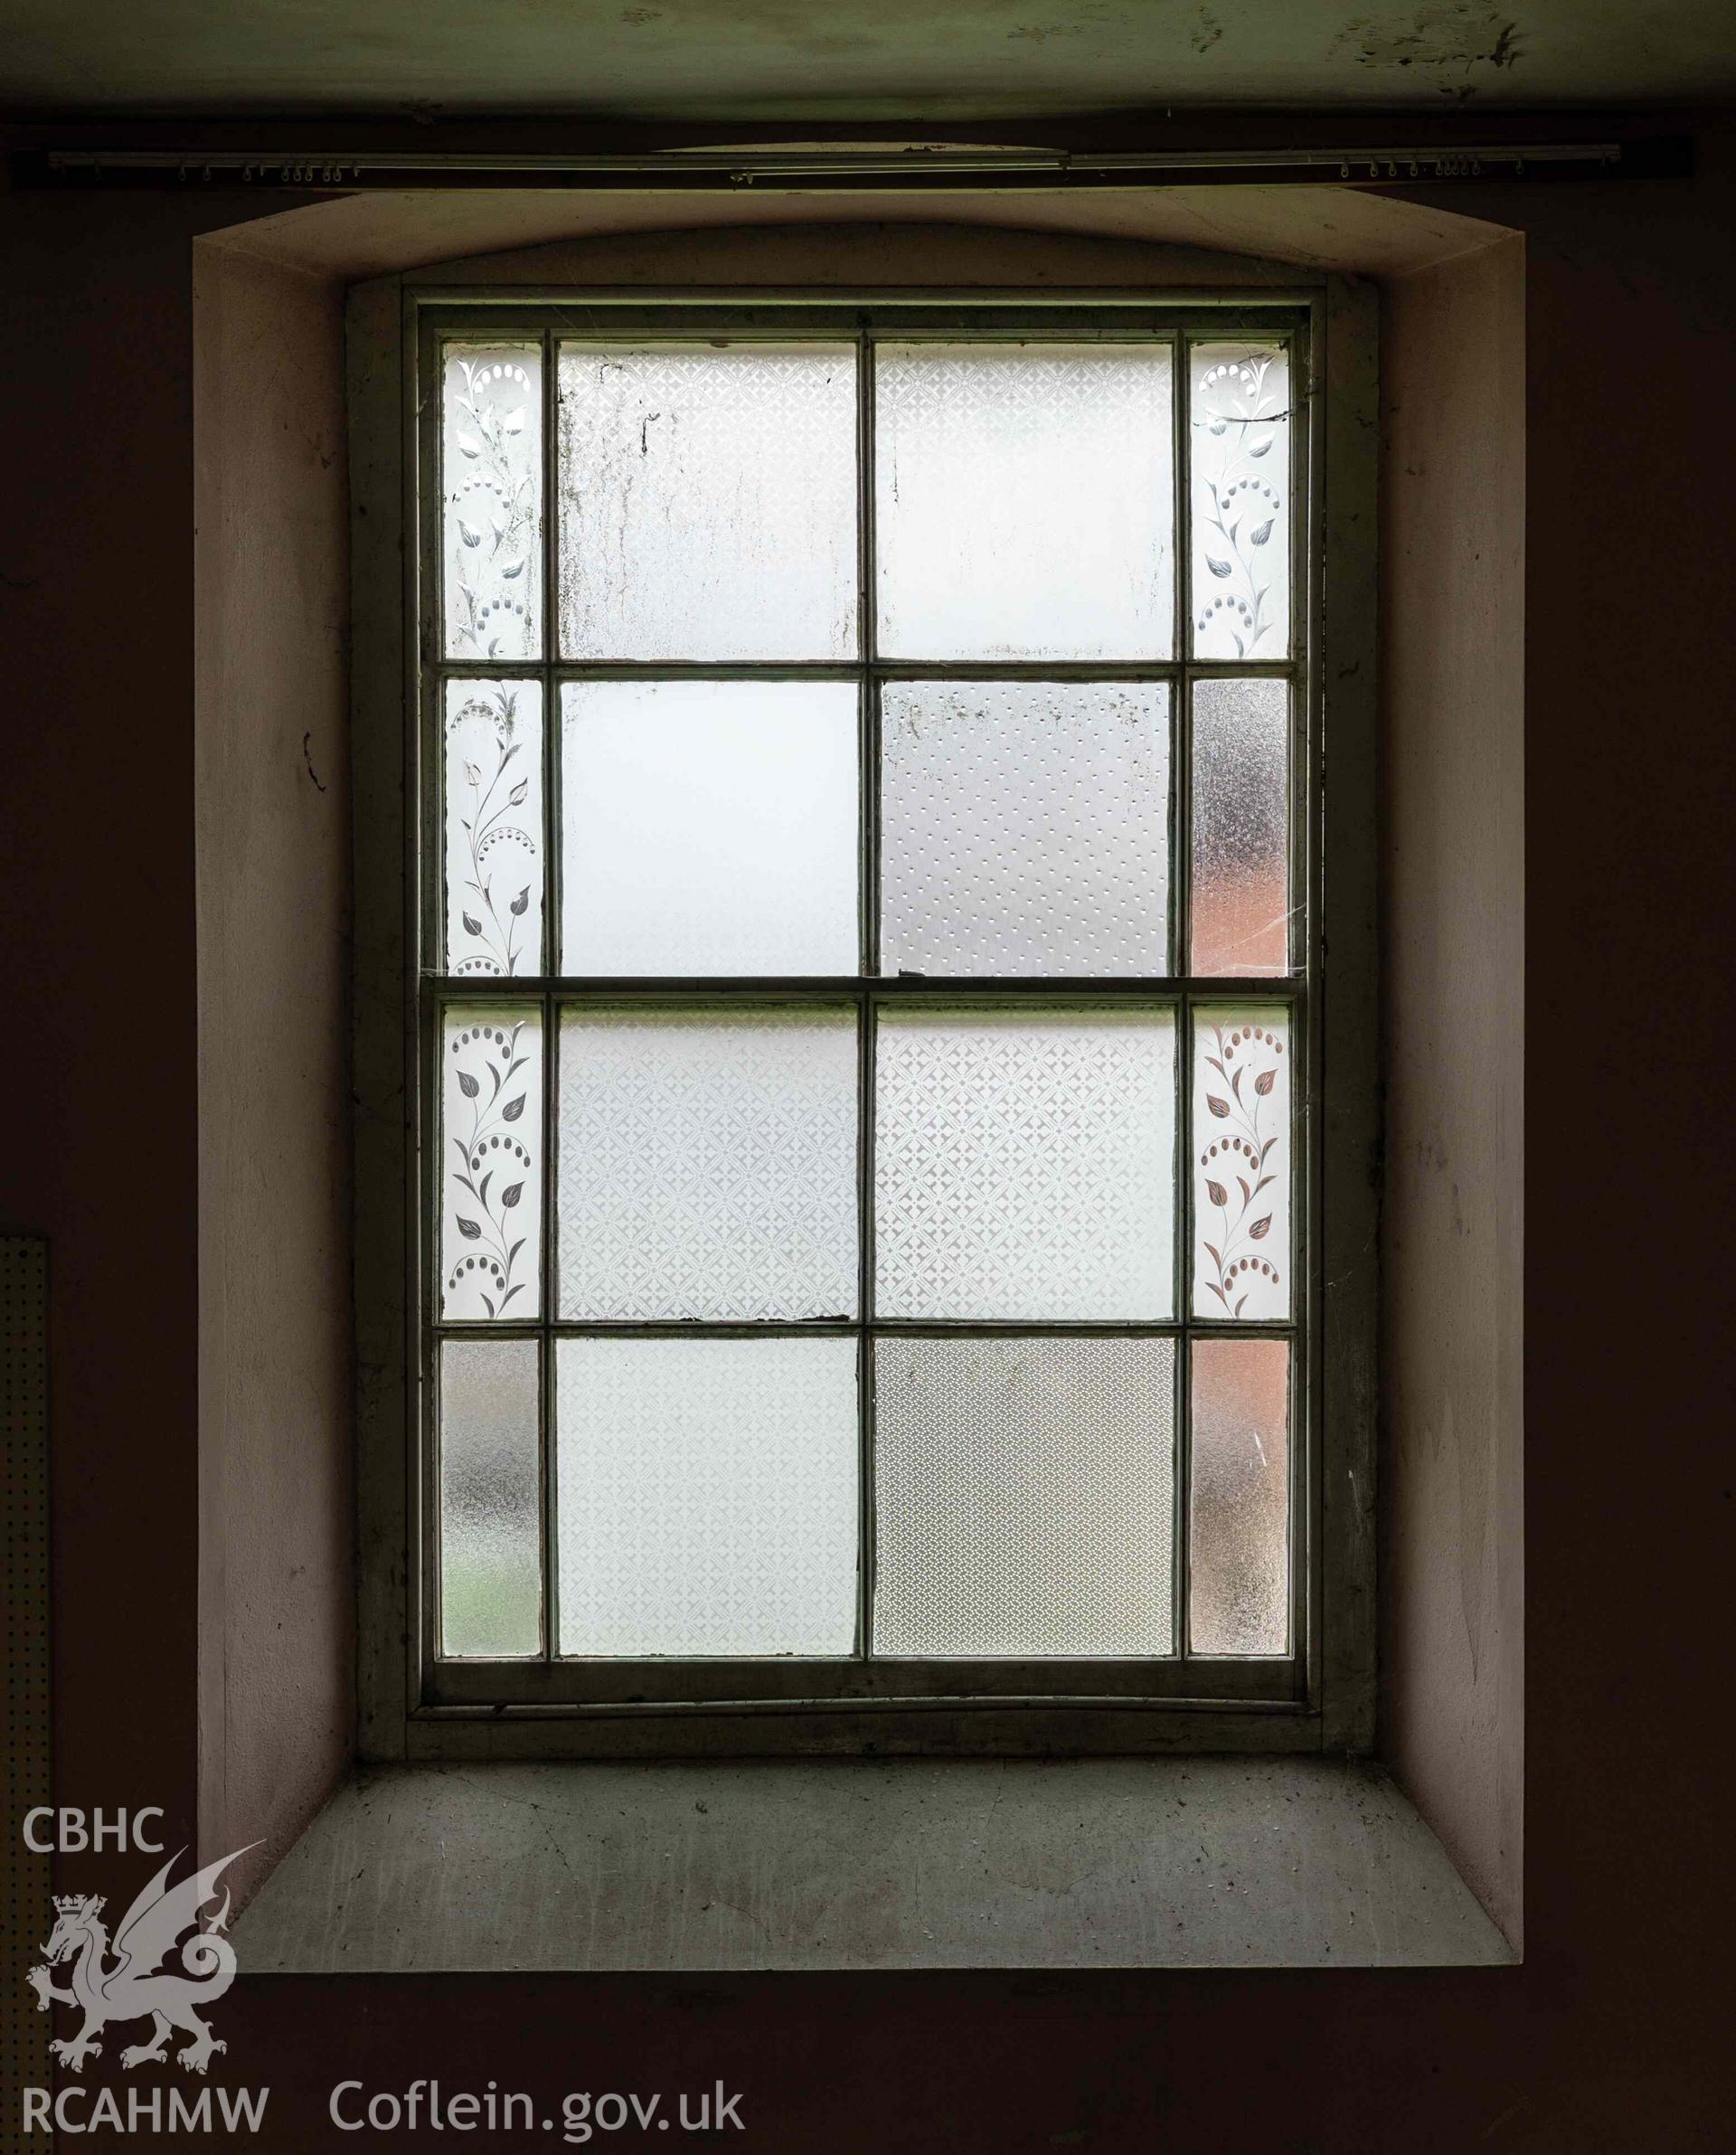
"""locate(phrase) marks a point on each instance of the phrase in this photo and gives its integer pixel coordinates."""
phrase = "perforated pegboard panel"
(24, 1877)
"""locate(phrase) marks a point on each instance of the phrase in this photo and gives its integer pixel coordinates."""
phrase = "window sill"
(789, 1864)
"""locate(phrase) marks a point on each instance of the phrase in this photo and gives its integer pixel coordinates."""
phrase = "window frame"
(1321, 1695)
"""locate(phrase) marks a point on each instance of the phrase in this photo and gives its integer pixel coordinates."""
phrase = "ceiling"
(758, 61)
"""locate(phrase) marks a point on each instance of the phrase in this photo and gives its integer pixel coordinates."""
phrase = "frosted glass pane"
(491, 1207)
(1241, 1163)
(708, 1163)
(1240, 912)
(1023, 1163)
(1025, 828)
(1024, 501)
(491, 1595)
(708, 502)
(494, 828)
(1239, 1587)
(707, 1496)
(1240, 443)
(709, 828)
(1023, 1497)
(491, 489)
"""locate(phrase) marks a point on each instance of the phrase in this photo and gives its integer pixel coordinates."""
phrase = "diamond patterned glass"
(707, 1163)
(491, 460)
(1241, 1162)
(1024, 501)
(1239, 1583)
(490, 1557)
(494, 828)
(708, 502)
(1239, 436)
(491, 1224)
(1025, 1493)
(1024, 1163)
(1242, 837)
(709, 828)
(1024, 827)
(707, 1496)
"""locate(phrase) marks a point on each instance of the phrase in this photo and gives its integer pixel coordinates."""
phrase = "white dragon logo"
(134, 1986)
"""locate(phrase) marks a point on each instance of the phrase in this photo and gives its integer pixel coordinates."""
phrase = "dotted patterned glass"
(491, 1154)
(1024, 501)
(491, 1552)
(494, 828)
(1238, 1584)
(1025, 1497)
(1241, 835)
(1024, 1163)
(1242, 1162)
(709, 828)
(707, 1163)
(491, 500)
(1238, 440)
(707, 1496)
(1024, 827)
(708, 502)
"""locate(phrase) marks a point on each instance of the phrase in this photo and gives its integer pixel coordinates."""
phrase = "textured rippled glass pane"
(491, 1595)
(1242, 837)
(707, 1496)
(708, 502)
(1238, 1583)
(491, 484)
(1024, 827)
(1239, 438)
(494, 828)
(1024, 501)
(709, 828)
(1024, 1496)
(491, 1158)
(707, 1163)
(1023, 1163)
(1241, 1163)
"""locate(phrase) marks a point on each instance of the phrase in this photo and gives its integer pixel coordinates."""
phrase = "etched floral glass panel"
(1239, 438)
(1241, 1165)
(708, 502)
(493, 760)
(1240, 912)
(491, 1162)
(1239, 1526)
(491, 488)
(1025, 1494)
(707, 1163)
(1024, 501)
(709, 828)
(1024, 1163)
(491, 1540)
(1024, 827)
(707, 1495)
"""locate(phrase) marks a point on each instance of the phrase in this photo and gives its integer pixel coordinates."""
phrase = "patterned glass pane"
(1242, 839)
(1024, 501)
(1241, 1163)
(494, 828)
(708, 502)
(707, 1496)
(1239, 1585)
(707, 1163)
(491, 1561)
(1024, 1496)
(1023, 1163)
(491, 461)
(709, 828)
(491, 1212)
(1025, 828)
(1240, 442)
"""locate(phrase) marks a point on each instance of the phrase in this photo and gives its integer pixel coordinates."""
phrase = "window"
(867, 1157)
